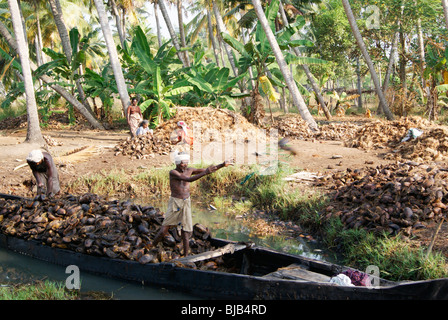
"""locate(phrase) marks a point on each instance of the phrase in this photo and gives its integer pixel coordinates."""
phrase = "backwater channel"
(17, 268)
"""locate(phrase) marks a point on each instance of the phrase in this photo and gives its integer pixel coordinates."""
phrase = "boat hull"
(221, 285)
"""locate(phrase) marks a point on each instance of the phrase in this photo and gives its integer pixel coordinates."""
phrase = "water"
(17, 268)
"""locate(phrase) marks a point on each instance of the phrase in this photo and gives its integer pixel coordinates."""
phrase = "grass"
(396, 258)
(40, 290)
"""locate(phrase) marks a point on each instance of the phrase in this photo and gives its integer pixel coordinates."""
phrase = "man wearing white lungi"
(178, 213)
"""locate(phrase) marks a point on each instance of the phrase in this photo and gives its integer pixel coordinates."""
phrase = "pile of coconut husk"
(206, 125)
(295, 127)
(144, 146)
(385, 134)
(91, 225)
(431, 146)
(400, 197)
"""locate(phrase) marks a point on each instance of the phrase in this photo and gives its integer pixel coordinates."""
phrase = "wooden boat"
(260, 274)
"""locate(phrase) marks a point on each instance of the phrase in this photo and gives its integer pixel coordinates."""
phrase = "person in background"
(45, 172)
(144, 128)
(183, 134)
(134, 116)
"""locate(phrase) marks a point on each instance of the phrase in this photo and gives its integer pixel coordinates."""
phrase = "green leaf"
(201, 84)
(222, 77)
(157, 84)
(74, 40)
(144, 105)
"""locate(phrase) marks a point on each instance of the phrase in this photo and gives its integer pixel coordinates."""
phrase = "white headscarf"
(178, 158)
(35, 156)
(183, 125)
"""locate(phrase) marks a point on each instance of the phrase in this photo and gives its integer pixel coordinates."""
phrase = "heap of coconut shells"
(295, 127)
(400, 197)
(91, 225)
(144, 146)
(205, 123)
(385, 134)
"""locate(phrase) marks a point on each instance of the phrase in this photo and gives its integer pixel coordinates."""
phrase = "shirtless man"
(179, 205)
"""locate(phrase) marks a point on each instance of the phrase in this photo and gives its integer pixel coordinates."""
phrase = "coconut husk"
(402, 197)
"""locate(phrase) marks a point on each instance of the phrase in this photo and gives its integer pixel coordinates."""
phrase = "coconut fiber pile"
(394, 198)
(296, 127)
(91, 225)
(214, 124)
(385, 134)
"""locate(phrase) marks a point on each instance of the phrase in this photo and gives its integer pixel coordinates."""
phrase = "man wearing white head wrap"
(178, 158)
(178, 212)
(45, 172)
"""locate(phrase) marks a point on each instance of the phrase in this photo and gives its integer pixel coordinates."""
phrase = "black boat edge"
(232, 286)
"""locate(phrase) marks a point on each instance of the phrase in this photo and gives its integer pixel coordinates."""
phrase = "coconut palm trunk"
(389, 68)
(118, 21)
(56, 9)
(33, 135)
(445, 12)
(221, 28)
(362, 47)
(156, 14)
(182, 32)
(212, 37)
(173, 36)
(113, 55)
(308, 73)
(292, 86)
(52, 82)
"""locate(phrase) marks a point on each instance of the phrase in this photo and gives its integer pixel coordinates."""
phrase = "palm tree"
(156, 15)
(306, 68)
(221, 29)
(182, 31)
(52, 82)
(173, 35)
(113, 55)
(66, 46)
(445, 12)
(292, 86)
(362, 47)
(33, 135)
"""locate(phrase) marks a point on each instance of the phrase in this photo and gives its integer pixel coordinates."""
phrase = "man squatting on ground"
(178, 212)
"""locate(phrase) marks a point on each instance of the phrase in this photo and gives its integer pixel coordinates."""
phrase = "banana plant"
(101, 86)
(435, 74)
(153, 77)
(161, 97)
(212, 85)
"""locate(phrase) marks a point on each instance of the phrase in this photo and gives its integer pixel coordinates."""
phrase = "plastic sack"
(342, 280)
(412, 133)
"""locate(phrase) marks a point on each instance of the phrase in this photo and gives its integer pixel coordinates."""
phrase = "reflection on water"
(227, 227)
(17, 268)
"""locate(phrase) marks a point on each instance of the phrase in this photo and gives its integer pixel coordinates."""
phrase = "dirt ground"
(319, 157)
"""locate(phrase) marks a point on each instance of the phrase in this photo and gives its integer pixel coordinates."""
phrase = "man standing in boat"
(178, 213)
(45, 172)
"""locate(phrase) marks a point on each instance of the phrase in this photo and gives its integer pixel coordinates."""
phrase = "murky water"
(17, 268)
